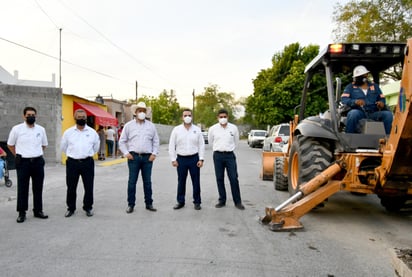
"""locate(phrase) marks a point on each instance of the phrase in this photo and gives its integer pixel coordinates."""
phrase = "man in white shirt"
(26, 142)
(186, 151)
(80, 143)
(110, 138)
(224, 137)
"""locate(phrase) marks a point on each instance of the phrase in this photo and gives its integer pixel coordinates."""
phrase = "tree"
(165, 108)
(209, 102)
(373, 20)
(277, 90)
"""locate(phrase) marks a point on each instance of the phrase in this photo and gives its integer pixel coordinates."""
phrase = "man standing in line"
(139, 143)
(186, 151)
(26, 142)
(224, 137)
(80, 143)
(110, 138)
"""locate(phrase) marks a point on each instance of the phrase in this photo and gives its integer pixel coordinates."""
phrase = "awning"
(102, 117)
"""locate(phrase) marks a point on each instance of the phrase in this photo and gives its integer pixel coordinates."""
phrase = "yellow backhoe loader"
(322, 159)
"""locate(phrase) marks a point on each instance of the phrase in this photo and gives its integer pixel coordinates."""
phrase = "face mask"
(187, 119)
(81, 122)
(360, 80)
(30, 120)
(141, 115)
(223, 120)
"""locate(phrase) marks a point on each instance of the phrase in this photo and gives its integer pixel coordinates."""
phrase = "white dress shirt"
(186, 142)
(29, 141)
(80, 144)
(223, 139)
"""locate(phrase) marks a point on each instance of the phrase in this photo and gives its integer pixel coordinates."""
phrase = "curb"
(109, 163)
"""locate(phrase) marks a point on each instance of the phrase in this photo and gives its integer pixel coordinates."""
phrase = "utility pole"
(193, 105)
(136, 91)
(60, 59)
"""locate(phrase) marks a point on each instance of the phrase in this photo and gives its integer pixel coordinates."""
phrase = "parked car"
(256, 138)
(277, 138)
(205, 137)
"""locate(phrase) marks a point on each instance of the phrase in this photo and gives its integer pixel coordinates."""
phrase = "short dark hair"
(222, 111)
(187, 110)
(29, 109)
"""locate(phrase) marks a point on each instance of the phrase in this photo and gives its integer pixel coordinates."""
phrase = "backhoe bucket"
(268, 158)
(286, 215)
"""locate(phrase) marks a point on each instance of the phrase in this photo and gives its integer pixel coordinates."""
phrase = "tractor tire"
(393, 203)
(308, 157)
(280, 180)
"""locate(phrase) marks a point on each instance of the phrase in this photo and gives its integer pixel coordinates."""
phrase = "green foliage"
(373, 20)
(165, 108)
(277, 90)
(209, 102)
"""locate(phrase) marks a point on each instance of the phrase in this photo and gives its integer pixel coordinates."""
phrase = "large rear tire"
(393, 203)
(280, 180)
(308, 157)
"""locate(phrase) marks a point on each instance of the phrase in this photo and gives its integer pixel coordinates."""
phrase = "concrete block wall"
(164, 132)
(48, 103)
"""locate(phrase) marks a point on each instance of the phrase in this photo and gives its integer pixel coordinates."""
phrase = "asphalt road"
(351, 236)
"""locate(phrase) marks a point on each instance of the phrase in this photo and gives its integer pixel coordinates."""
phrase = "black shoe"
(150, 208)
(69, 213)
(89, 212)
(197, 207)
(220, 205)
(40, 215)
(21, 218)
(129, 209)
(179, 206)
(240, 206)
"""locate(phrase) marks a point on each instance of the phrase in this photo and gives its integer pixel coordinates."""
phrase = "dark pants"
(188, 164)
(141, 163)
(354, 116)
(222, 161)
(75, 169)
(26, 169)
(110, 144)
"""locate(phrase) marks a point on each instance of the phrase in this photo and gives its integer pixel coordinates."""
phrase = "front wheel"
(308, 157)
(280, 180)
(8, 183)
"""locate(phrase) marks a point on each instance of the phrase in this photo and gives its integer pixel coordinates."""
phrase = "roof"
(102, 117)
(343, 57)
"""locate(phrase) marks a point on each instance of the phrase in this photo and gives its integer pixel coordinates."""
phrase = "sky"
(180, 45)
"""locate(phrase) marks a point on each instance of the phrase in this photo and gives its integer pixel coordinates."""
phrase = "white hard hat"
(141, 105)
(359, 71)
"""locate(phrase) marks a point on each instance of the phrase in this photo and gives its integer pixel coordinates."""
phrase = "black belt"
(79, 160)
(188, 156)
(31, 159)
(224, 152)
(140, 154)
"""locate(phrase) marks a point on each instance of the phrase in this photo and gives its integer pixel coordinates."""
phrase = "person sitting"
(365, 100)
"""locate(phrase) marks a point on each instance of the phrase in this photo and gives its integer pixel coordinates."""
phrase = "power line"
(114, 44)
(64, 61)
(40, 7)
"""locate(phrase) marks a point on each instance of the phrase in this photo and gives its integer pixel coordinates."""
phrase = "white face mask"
(223, 120)
(187, 119)
(141, 115)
